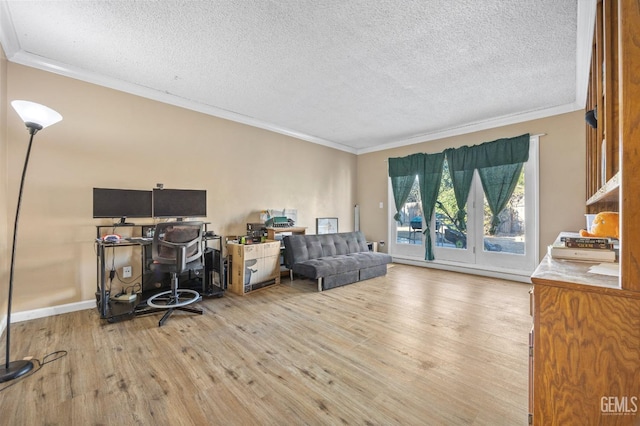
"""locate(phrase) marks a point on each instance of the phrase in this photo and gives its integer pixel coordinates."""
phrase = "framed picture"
(326, 225)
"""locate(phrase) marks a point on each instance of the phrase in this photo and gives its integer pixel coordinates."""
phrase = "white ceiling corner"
(358, 76)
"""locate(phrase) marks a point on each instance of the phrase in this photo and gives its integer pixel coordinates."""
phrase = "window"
(509, 236)
(465, 238)
(452, 240)
(408, 229)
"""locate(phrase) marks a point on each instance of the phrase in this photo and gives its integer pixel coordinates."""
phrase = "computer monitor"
(179, 203)
(121, 203)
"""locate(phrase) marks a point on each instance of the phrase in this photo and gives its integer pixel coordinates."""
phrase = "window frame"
(483, 263)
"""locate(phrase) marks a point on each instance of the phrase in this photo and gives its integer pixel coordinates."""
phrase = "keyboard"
(139, 239)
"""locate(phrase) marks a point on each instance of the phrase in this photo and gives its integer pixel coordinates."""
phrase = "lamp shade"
(33, 113)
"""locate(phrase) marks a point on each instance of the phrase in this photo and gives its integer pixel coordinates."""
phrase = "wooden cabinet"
(253, 266)
(585, 359)
(602, 98)
(585, 366)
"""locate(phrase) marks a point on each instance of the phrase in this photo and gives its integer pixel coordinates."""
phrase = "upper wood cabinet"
(613, 148)
(603, 102)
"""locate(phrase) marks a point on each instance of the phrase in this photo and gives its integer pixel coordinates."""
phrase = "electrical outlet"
(126, 272)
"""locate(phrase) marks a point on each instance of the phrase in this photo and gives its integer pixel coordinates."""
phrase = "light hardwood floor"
(417, 347)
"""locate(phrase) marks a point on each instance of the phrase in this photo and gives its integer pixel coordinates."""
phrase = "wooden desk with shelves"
(277, 233)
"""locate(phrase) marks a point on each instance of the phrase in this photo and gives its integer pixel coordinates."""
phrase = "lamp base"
(15, 370)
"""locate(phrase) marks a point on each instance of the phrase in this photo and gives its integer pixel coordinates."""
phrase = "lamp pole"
(36, 117)
(15, 369)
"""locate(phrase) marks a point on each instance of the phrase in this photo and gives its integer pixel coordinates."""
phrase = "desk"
(112, 311)
(277, 234)
(107, 309)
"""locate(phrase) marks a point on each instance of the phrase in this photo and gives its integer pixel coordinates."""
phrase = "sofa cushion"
(314, 248)
(369, 259)
(329, 247)
(325, 266)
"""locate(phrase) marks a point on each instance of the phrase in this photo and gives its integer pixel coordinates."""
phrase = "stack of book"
(584, 248)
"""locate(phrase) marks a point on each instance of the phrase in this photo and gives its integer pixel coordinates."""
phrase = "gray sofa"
(333, 259)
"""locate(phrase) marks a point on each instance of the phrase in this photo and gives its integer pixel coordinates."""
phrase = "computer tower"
(215, 271)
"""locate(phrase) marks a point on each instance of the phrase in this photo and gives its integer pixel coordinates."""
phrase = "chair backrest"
(177, 243)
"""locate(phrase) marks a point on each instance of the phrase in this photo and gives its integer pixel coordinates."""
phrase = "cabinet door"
(586, 355)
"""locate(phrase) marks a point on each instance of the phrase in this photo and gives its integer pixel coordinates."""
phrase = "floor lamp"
(36, 117)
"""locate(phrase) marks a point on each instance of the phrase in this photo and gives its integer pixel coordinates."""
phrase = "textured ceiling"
(357, 75)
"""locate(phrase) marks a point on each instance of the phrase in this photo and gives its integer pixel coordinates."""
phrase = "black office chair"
(177, 248)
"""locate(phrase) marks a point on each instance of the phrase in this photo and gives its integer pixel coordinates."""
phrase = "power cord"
(117, 276)
(112, 271)
(130, 290)
(136, 288)
(38, 366)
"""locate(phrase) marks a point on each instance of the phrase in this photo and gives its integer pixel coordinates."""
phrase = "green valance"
(489, 154)
(406, 166)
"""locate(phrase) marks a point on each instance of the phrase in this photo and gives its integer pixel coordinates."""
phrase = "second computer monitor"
(179, 203)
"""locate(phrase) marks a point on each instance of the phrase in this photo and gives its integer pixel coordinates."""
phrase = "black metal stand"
(15, 369)
(181, 308)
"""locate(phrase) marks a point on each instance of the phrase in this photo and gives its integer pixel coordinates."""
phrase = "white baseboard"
(522, 277)
(47, 312)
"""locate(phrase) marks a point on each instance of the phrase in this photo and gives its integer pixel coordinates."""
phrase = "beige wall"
(112, 139)
(562, 174)
(116, 140)
(5, 252)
